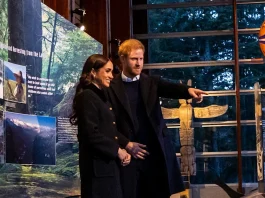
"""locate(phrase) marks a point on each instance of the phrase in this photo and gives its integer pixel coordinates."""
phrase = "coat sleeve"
(122, 140)
(171, 90)
(90, 128)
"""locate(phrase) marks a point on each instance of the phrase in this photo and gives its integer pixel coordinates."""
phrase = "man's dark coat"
(151, 89)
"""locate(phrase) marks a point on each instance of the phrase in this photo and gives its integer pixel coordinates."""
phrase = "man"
(154, 171)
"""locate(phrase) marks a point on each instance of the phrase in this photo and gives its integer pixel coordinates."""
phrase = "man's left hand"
(197, 94)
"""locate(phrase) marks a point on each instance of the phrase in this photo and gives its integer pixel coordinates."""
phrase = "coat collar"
(127, 79)
(119, 90)
(97, 91)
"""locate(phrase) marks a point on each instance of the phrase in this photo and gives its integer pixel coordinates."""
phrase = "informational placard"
(66, 133)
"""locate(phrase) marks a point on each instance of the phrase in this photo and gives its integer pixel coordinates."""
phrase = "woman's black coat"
(98, 147)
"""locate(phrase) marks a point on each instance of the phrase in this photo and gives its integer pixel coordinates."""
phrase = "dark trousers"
(145, 179)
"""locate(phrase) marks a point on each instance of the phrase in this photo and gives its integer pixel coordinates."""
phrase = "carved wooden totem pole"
(186, 131)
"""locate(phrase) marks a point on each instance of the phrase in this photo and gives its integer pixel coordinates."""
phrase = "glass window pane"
(175, 1)
(217, 139)
(206, 78)
(175, 140)
(250, 74)
(220, 139)
(188, 19)
(210, 48)
(135, 2)
(249, 46)
(194, 18)
(250, 16)
(226, 169)
(247, 107)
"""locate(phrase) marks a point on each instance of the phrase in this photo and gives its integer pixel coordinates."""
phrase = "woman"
(19, 91)
(99, 151)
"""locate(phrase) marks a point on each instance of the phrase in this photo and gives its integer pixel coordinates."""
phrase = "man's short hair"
(128, 45)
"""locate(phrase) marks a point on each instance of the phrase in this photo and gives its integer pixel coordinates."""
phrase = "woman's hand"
(124, 157)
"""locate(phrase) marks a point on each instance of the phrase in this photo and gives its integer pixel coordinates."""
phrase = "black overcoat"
(98, 146)
(151, 89)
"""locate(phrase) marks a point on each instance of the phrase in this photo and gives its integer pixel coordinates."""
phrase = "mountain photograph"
(30, 139)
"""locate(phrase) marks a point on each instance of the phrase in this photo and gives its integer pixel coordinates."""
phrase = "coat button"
(114, 123)
(110, 108)
(116, 138)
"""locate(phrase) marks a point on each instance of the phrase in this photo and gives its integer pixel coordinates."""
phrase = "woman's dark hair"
(95, 61)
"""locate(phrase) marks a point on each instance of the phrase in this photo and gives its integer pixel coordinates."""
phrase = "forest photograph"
(65, 48)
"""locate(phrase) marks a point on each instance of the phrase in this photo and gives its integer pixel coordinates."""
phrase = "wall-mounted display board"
(41, 57)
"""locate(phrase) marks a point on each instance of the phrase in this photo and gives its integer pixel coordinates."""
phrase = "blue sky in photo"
(33, 119)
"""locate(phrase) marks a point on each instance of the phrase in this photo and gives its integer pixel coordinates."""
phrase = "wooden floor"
(255, 194)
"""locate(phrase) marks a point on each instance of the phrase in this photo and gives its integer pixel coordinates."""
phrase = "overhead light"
(80, 26)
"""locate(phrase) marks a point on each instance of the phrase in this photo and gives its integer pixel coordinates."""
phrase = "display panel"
(42, 55)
